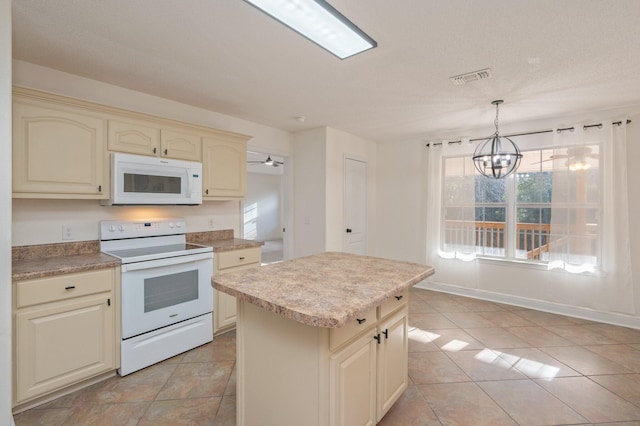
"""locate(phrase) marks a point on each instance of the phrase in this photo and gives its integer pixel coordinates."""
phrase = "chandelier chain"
(496, 120)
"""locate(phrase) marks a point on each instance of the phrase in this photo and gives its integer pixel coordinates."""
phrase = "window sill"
(539, 266)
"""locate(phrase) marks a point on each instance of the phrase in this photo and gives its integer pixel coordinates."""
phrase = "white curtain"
(450, 200)
(589, 219)
(434, 200)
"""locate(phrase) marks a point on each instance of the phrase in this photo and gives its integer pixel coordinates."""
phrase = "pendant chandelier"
(498, 156)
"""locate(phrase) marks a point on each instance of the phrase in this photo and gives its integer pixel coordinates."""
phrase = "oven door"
(161, 292)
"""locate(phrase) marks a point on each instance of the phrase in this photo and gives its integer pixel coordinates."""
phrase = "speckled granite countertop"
(227, 244)
(46, 260)
(323, 290)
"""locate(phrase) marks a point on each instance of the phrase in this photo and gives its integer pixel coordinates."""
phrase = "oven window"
(169, 290)
(139, 183)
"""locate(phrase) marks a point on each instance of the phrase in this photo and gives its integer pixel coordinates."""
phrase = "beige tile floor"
(272, 251)
(470, 363)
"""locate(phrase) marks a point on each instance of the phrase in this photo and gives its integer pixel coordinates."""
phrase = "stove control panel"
(118, 229)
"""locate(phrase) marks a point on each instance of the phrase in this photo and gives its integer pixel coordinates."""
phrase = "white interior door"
(355, 206)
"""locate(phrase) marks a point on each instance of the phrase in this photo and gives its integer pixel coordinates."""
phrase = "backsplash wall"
(41, 221)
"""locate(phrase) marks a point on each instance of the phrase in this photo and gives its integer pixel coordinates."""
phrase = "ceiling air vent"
(461, 79)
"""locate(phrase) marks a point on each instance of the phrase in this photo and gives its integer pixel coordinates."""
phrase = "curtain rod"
(571, 129)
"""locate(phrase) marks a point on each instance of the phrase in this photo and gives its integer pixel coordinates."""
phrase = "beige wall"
(402, 205)
(5, 213)
(319, 189)
(633, 177)
(309, 220)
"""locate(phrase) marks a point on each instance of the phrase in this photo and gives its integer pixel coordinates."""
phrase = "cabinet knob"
(377, 337)
(206, 191)
(361, 321)
(241, 257)
(349, 230)
(166, 152)
(399, 297)
(155, 150)
(99, 188)
(70, 287)
(386, 333)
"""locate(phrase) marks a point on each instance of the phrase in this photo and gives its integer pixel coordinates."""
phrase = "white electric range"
(166, 294)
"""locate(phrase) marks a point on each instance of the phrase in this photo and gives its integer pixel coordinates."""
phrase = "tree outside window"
(550, 205)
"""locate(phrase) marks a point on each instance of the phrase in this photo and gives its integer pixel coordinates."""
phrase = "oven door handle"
(178, 260)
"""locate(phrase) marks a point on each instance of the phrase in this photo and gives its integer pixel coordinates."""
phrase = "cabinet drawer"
(44, 290)
(235, 258)
(394, 303)
(338, 336)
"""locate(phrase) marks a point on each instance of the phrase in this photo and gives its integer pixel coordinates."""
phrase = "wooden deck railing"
(530, 237)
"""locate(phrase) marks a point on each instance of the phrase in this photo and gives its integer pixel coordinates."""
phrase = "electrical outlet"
(67, 232)
(210, 223)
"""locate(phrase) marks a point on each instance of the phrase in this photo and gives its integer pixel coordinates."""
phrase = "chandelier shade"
(498, 156)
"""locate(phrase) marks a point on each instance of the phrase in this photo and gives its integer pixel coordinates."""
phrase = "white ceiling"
(548, 58)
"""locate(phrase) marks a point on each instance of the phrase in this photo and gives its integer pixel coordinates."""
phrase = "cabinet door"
(224, 168)
(225, 315)
(61, 343)
(225, 306)
(392, 375)
(180, 145)
(352, 387)
(57, 152)
(133, 137)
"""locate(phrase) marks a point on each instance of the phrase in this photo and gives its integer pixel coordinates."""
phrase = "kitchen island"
(321, 340)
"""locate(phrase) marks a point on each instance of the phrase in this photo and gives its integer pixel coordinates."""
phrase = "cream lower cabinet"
(370, 374)
(64, 331)
(224, 306)
(392, 363)
(353, 383)
(58, 151)
(291, 373)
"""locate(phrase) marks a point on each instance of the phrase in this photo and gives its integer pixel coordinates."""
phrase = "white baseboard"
(540, 305)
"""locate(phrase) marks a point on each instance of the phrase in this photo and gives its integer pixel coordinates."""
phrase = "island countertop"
(323, 290)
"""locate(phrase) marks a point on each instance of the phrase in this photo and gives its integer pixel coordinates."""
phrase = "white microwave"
(140, 180)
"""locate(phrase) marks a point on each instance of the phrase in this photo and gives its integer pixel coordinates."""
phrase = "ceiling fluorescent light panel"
(318, 21)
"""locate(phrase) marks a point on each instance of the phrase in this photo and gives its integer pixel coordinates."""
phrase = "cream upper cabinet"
(149, 138)
(66, 329)
(224, 166)
(61, 147)
(134, 137)
(58, 151)
(180, 145)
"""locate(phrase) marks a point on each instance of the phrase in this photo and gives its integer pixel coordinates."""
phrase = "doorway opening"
(265, 205)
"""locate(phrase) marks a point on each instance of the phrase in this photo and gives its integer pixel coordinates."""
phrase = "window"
(547, 211)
